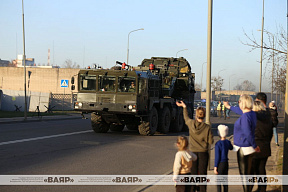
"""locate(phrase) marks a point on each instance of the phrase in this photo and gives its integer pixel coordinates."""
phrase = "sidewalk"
(41, 118)
(233, 170)
(271, 166)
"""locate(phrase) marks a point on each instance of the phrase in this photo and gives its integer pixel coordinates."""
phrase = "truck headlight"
(78, 105)
(132, 107)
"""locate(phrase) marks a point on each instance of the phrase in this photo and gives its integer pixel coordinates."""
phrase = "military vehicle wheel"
(190, 114)
(149, 127)
(178, 123)
(132, 127)
(98, 124)
(115, 127)
(165, 120)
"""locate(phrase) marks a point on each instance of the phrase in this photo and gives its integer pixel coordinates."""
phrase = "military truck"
(141, 98)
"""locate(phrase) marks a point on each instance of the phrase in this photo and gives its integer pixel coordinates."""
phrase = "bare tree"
(237, 87)
(280, 80)
(245, 86)
(248, 86)
(69, 64)
(197, 86)
(216, 83)
(275, 52)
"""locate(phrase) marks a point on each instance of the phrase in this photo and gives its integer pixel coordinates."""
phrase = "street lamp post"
(238, 83)
(285, 143)
(24, 60)
(272, 65)
(261, 49)
(128, 43)
(272, 60)
(202, 75)
(229, 83)
(180, 50)
(220, 71)
(209, 61)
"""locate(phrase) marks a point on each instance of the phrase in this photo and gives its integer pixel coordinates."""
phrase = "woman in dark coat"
(263, 136)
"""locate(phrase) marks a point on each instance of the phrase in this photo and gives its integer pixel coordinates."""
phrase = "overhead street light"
(220, 72)
(128, 42)
(180, 51)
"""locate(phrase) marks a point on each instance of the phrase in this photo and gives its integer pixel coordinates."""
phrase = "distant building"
(28, 61)
(4, 63)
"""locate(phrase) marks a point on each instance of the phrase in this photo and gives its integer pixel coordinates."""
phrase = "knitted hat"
(222, 130)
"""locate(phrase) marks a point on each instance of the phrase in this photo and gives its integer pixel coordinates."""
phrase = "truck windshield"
(126, 84)
(107, 83)
(88, 82)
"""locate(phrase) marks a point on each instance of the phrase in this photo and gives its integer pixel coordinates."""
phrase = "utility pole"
(209, 57)
(24, 60)
(285, 143)
(261, 60)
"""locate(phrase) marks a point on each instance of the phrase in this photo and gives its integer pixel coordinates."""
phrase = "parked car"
(202, 103)
(234, 104)
(197, 103)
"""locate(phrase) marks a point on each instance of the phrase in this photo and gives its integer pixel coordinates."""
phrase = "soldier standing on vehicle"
(219, 108)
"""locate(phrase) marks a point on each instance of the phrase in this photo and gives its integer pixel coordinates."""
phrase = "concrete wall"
(10, 98)
(41, 79)
(1, 94)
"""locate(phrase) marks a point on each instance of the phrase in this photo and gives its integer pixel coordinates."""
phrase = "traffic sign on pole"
(64, 83)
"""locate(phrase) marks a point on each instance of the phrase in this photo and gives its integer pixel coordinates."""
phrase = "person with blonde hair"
(200, 137)
(263, 136)
(244, 136)
(183, 162)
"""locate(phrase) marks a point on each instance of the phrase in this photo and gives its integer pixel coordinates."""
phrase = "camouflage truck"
(142, 98)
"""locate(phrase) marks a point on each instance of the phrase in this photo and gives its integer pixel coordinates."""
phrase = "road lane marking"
(44, 137)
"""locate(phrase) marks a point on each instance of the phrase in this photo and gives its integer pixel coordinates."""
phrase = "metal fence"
(62, 101)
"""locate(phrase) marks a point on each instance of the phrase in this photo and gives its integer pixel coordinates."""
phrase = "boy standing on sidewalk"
(222, 147)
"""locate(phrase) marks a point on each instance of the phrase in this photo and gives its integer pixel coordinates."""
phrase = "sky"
(96, 31)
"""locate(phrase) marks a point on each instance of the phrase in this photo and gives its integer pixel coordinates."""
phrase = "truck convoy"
(142, 98)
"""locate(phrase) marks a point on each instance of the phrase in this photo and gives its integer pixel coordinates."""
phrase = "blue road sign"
(64, 83)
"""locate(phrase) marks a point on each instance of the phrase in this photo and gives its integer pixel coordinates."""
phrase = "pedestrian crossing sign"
(64, 83)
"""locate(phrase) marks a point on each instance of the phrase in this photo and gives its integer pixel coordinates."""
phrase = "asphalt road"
(70, 147)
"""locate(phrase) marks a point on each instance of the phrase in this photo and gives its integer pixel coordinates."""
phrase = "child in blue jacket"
(222, 147)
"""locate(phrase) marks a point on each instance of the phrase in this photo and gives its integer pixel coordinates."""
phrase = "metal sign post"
(64, 83)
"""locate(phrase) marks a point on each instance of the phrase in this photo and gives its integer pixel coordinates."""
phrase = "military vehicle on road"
(142, 98)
